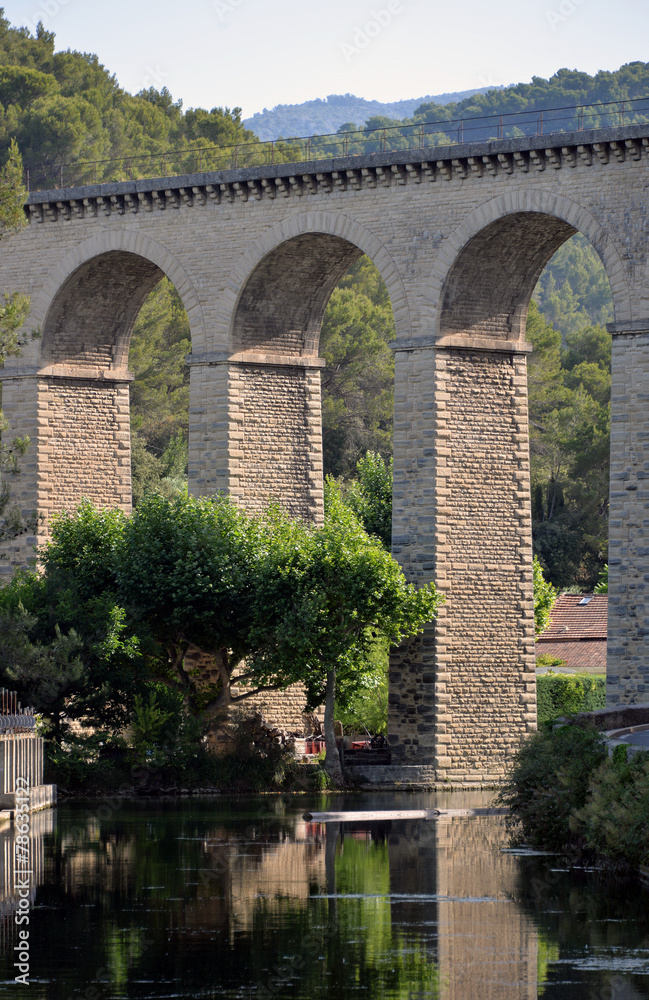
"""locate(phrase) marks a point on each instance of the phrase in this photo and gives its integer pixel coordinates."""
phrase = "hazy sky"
(259, 53)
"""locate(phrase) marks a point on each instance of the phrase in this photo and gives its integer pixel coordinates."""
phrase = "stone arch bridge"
(460, 241)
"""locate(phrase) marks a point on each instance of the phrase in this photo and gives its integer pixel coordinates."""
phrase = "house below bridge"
(577, 632)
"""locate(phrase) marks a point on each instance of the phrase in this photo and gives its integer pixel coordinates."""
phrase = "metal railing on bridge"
(207, 157)
(13, 717)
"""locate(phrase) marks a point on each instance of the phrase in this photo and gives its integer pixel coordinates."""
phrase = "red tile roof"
(572, 620)
(578, 655)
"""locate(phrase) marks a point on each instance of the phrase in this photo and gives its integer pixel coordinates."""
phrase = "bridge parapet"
(354, 173)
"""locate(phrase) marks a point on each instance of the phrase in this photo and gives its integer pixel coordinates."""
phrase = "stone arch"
(86, 309)
(90, 301)
(479, 289)
(268, 321)
(285, 278)
(466, 481)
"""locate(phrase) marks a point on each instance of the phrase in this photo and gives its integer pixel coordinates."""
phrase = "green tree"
(357, 383)
(65, 645)
(370, 496)
(333, 596)
(573, 291)
(13, 313)
(159, 394)
(68, 112)
(271, 599)
(550, 778)
(601, 587)
(544, 597)
(615, 819)
(46, 675)
(569, 404)
(187, 571)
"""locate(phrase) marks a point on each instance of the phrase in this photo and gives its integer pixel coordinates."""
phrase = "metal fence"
(360, 142)
(20, 757)
(13, 717)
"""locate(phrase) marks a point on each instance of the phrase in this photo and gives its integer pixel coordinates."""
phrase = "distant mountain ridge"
(325, 115)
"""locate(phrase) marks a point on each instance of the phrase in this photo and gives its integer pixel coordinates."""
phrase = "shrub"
(94, 762)
(253, 760)
(547, 660)
(166, 751)
(549, 780)
(566, 694)
(544, 597)
(615, 820)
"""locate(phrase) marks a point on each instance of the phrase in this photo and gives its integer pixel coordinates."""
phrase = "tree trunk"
(332, 757)
(332, 833)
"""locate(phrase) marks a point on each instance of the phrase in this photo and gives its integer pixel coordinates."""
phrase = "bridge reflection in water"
(242, 898)
(41, 824)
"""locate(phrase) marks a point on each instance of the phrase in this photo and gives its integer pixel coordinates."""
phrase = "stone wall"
(484, 553)
(282, 709)
(84, 444)
(466, 523)
(276, 438)
(628, 582)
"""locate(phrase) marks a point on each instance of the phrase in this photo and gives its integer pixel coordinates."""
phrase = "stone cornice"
(463, 342)
(254, 358)
(90, 374)
(628, 328)
(348, 174)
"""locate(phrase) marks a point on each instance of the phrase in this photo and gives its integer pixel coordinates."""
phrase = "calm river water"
(240, 898)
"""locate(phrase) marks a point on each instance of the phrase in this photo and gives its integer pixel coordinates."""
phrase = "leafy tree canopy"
(122, 602)
(369, 496)
(544, 597)
(13, 312)
(62, 107)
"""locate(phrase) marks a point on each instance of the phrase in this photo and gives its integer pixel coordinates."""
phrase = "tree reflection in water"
(242, 898)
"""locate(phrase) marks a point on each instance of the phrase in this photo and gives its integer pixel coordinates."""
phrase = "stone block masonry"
(281, 709)
(84, 442)
(468, 524)
(276, 438)
(460, 235)
(628, 588)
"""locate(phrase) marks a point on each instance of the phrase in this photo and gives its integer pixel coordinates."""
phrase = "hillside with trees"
(62, 107)
(327, 114)
(569, 100)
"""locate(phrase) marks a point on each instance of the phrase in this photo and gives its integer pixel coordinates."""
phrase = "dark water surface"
(240, 898)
